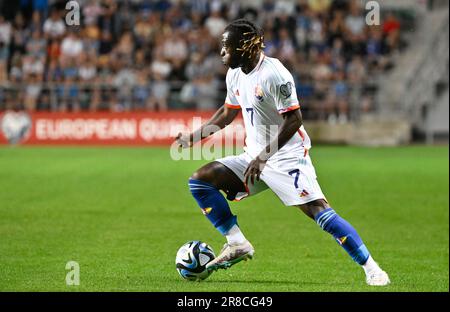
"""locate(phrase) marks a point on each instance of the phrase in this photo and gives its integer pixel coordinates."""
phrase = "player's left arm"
(292, 121)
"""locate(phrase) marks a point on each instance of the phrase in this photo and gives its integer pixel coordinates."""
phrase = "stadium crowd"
(161, 54)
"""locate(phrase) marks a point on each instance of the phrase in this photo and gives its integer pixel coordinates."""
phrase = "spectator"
(54, 72)
(303, 26)
(321, 73)
(88, 70)
(33, 66)
(337, 28)
(160, 93)
(16, 71)
(356, 71)
(107, 21)
(36, 22)
(69, 68)
(4, 53)
(357, 78)
(19, 35)
(37, 45)
(140, 59)
(160, 70)
(106, 43)
(317, 32)
(54, 27)
(375, 45)
(283, 9)
(124, 81)
(43, 102)
(215, 23)
(338, 108)
(40, 6)
(143, 30)
(391, 29)
(71, 94)
(160, 66)
(270, 43)
(141, 91)
(71, 45)
(196, 68)
(201, 93)
(5, 38)
(54, 50)
(125, 47)
(391, 24)
(177, 18)
(319, 6)
(175, 48)
(5, 31)
(90, 40)
(286, 47)
(355, 23)
(91, 12)
(32, 90)
(200, 7)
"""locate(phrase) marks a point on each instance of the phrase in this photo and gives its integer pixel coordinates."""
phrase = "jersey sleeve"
(231, 101)
(282, 88)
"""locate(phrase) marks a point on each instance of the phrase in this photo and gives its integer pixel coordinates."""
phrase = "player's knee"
(204, 174)
(306, 210)
(195, 176)
(313, 208)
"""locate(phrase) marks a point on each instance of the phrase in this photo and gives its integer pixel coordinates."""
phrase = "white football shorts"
(293, 179)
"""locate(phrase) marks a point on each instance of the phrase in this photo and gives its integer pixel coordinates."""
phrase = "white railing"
(98, 96)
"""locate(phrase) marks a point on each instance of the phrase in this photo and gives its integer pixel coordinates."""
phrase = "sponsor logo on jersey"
(259, 94)
(237, 92)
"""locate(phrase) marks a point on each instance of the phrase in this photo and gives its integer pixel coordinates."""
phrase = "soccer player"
(264, 90)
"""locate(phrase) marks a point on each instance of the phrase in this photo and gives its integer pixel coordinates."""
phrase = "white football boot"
(377, 278)
(230, 255)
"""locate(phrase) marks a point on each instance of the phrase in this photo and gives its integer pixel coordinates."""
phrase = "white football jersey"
(264, 95)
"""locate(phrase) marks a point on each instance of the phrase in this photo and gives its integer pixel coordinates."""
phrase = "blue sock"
(214, 206)
(344, 234)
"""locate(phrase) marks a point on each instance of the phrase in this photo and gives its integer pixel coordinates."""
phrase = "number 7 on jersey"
(250, 111)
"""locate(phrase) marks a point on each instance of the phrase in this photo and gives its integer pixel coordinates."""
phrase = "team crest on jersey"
(259, 94)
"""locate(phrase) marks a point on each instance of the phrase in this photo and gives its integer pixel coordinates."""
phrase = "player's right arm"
(223, 117)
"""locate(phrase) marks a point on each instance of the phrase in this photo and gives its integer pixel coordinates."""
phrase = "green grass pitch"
(122, 213)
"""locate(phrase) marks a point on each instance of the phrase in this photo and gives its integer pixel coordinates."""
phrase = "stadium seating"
(159, 55)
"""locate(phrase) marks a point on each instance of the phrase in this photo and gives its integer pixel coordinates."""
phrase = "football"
(192, 259)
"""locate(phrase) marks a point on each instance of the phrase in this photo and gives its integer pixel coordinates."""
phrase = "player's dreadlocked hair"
(251, 36)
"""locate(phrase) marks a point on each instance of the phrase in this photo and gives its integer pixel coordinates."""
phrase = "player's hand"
(184, 140)
(254, 169)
